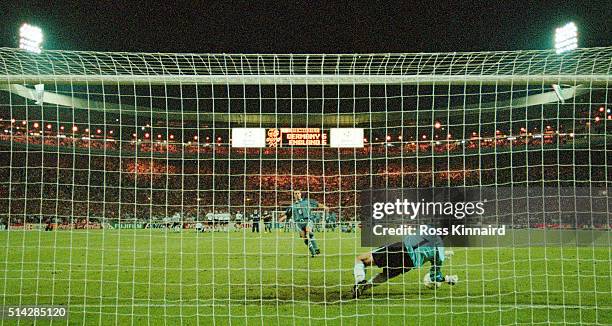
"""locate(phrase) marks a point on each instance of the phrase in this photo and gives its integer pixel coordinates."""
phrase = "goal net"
(123, 199)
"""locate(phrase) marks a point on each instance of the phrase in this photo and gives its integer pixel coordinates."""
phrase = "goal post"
(107, 149)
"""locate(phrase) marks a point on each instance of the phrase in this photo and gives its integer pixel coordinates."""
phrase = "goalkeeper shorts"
(393, 258)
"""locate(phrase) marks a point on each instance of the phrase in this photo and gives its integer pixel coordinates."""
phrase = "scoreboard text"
(279, 137)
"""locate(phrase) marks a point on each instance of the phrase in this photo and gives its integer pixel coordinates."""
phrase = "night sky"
(312, 27)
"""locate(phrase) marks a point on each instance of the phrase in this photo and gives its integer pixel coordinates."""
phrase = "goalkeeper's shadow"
(337, 295)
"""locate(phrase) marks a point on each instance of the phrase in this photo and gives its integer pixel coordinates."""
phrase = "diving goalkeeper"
(397, 258)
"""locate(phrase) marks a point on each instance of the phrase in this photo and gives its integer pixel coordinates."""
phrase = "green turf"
(135, 277)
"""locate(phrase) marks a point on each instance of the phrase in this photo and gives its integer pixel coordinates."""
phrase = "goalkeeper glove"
(448, 279)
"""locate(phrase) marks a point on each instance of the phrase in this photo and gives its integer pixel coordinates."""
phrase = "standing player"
(316, 219)
(330, 221)
(301, 211)
(238, 223)
(255, 218)
(288, 221)
(267, 219)
(397, 258)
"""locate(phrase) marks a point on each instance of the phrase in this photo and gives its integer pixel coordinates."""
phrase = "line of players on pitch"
(395, 258)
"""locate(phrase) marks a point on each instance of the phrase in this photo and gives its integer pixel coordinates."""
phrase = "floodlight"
(566, 38)
(30, 38)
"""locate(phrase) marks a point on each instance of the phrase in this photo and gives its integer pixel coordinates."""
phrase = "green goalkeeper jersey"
(422, 249)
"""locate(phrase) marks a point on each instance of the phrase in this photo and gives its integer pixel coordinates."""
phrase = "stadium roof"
(582, 70)
(89, 106)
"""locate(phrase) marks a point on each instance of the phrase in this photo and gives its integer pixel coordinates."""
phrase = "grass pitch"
(155, 277)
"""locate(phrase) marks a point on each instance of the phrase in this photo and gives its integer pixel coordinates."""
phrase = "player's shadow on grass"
(333, 295)
(330, 295)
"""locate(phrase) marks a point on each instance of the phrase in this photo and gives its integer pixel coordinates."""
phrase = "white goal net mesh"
(122, 199)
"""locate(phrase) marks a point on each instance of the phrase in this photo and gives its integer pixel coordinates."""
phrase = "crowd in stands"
(74, 186)
(113, 178)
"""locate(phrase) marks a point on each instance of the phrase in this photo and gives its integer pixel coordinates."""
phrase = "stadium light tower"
(566, 38)
(30, 38)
